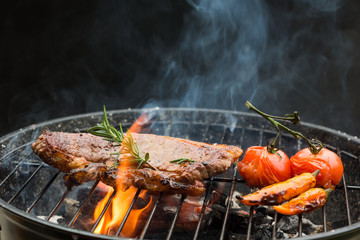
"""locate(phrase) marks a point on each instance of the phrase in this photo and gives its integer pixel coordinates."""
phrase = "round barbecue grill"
(36, 204)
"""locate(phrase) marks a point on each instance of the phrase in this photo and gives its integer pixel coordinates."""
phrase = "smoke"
(323, 6)
(283, 56)
(280, 55)
(218, 55)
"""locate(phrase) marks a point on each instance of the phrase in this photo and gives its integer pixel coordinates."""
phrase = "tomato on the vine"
(328, 162)
(260, 168)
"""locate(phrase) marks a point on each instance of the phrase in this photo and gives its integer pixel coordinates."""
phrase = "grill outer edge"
(24, 224)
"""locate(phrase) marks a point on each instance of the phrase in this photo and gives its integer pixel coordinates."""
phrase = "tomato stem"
(315, 145)
(294, 118)
(271, 147)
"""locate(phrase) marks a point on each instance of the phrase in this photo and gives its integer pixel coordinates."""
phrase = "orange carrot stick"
(306, 202)
(278, 193)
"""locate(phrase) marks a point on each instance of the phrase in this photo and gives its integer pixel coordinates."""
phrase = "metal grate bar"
(83, 204)
(42, 192)
(12, 152)
(103, 211)
(58, 204)
(26, 183)
(232, 187)
(345, 194)
(324, 219)
(223, 134)
(25, 158)
(229, 180)
(206, 130)
(175, 217)
(12, 172)
(128, 212)
(300, 225)
(346, 201)
(275, 225)
(349, 155)
(261, 134)
(150, 217)
(251, 215)
(205, 203)
(207, 195)
(229, 199)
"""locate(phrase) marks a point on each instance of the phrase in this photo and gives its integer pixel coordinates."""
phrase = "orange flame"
(143, 120)
(121, 202)
(116, 212)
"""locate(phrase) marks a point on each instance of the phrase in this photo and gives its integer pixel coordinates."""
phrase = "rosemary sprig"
(129, 149)
(181, 160)
(106, 131)
(131, 153)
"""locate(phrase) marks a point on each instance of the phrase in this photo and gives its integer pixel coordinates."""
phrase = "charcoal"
(54, 219)
(308, 227)
(281, 235)
(218, 197)
(261, 233)
(263, 210)
(290, 224)
(16, 148)
(339, 223)
(71, 206)
(236, 203)
(262, 216)
(263, 220)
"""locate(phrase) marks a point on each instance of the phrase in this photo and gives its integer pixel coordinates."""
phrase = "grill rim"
(250, 114)
(347, 231)
(13, 212)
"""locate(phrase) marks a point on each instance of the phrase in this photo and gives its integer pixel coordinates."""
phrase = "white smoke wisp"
(279, 56)
(218, 54)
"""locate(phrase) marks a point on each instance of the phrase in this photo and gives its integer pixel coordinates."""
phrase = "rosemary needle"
(129, 148)
(181, 160)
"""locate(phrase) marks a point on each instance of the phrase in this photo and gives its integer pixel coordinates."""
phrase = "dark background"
(60, 58)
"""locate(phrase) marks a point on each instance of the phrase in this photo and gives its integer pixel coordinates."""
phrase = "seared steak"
(87, 157)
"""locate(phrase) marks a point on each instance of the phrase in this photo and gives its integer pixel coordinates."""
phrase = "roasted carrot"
(278, 193)
(306, 202)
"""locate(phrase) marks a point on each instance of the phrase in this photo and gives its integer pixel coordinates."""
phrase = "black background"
(60, 58)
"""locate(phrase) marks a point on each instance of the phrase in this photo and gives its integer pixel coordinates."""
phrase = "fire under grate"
(34, 193)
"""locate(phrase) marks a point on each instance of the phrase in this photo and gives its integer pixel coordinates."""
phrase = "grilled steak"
(86, 157)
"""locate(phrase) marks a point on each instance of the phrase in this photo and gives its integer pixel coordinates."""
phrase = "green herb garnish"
(181, 160)
(129, 148)
(106, 131)
(131, 152)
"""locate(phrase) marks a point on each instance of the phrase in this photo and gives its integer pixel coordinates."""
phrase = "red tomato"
(260, 168)
(328, 162)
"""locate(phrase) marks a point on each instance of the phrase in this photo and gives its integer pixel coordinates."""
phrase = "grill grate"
(21, 171)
